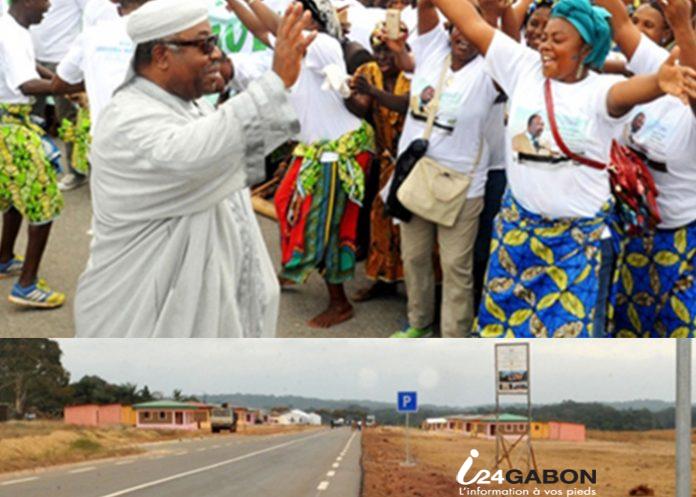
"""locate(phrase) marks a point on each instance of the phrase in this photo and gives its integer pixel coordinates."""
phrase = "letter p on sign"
(407, 402)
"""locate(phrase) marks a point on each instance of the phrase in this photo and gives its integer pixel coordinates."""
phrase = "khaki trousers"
(456, 246)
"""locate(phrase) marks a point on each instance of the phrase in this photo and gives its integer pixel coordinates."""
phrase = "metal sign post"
(407, 402)
(512, 377)
(683, 418)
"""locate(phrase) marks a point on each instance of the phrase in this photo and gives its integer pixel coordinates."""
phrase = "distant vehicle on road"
(223, 418)
(337, 422)
(370, 420)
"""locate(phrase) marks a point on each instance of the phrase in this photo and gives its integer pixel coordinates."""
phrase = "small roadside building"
(172, 415)
(567, 432)
(313, 419)
(463, 422)
(293, 417)
(508, 425)
(434, 424)
(99, 415)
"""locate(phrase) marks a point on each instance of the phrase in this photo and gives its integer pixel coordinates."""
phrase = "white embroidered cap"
(160, 18)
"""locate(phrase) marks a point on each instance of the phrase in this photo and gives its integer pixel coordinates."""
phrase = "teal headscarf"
(593, 25)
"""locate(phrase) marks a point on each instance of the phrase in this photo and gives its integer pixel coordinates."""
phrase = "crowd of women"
(474, 107)
(481, 140)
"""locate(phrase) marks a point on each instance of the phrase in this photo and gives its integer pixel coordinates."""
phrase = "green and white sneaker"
(412, 332)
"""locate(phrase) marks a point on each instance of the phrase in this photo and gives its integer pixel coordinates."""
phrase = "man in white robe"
(177, 251)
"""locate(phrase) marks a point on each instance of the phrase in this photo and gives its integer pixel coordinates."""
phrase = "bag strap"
(548, 98)
(435, 104)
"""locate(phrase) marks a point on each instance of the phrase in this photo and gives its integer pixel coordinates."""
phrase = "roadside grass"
(34, 444)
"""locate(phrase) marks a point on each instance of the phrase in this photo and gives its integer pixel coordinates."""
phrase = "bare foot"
(378, 289)
(334, 314)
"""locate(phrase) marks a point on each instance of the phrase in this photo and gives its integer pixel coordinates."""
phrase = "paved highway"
(324, 463)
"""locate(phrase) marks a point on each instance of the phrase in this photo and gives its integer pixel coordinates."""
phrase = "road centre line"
(82, 470)
(323, 485)
(208, 468)
(339, 458)
(21, 480)
(331, 474)
(129, 461)
(335, 465)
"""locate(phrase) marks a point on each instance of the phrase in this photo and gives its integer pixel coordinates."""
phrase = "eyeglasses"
(206, 45)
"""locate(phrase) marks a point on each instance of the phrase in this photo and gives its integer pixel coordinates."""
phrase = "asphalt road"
(68, 251)
(310, 464)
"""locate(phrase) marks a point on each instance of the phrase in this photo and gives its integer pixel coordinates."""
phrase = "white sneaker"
(71, 181)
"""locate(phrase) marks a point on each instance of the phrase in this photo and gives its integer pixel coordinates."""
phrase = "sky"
(444, 372)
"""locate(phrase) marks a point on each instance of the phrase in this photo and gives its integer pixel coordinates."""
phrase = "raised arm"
(264, 14)
(468, 21)
(250, 20)
(626, 34)
(671, 78)
(678, 14)
(404, 58)
(428, 18)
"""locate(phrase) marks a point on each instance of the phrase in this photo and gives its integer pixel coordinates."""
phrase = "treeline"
(33, 380)
(595, 416)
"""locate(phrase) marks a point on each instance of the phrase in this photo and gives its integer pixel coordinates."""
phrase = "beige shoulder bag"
(433, 191)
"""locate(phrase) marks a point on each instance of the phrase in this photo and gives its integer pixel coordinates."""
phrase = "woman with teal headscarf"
(551, 257)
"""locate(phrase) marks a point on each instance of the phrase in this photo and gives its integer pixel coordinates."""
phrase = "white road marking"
(82, 470)
(183, 452)
(335, 465)
(215, 447)
(21, 480)
(339, 458)
(331, 474)
(121, 463)
(323, 485)
(208, 468)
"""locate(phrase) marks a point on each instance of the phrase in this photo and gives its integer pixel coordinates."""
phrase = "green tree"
(31, 373)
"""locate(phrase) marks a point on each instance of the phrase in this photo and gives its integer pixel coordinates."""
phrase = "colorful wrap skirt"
(27, 178)
(655, 295)
(318, 203)
(78, 134)
(543, 275)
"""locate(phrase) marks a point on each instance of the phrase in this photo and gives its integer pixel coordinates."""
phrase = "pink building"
(93, 414)
(569, 432)
(172, 415)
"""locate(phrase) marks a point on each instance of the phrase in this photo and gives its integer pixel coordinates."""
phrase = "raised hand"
(676, 80)
(677, 12)
(291, 43)
(397, 45)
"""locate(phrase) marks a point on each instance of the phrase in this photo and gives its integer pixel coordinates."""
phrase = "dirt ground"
(256, 430)
(623, 460)
(32, 444)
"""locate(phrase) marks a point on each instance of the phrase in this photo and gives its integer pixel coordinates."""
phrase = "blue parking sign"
(407, 402)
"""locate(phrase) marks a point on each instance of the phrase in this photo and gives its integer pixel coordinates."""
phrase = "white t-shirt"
(664, 131)
(247, 68)
(465, 104)
(561, 189)
(17, 61)
(59, 28)
(100, 57)
(495, 136)
(322, 113)
(97, 11)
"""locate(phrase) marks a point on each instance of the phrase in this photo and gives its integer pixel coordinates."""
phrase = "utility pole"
(683, 418)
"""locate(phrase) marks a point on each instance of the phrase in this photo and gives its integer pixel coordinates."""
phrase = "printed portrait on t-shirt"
(647, 134)
(531, 136)
(423, 96)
